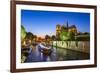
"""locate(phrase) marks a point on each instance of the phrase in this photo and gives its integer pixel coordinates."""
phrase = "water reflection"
(57, 54)
(67, 54)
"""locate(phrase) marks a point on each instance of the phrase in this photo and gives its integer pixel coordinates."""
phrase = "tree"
(53, 37)
(64, 36)
(29, 36)
(71, 36)
(86, 33)
(35, 37)
(47, 37)
(23, 32)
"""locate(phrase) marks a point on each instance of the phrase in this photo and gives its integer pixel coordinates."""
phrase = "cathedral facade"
(65, 28)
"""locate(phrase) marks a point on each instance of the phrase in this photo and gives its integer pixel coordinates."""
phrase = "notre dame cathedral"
(66, 28)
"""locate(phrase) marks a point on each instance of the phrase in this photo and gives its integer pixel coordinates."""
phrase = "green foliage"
(71, 36)
(29, 36)
(53, 37)
(47, 37)
(85, 38)
(64, 36)
(23, 32)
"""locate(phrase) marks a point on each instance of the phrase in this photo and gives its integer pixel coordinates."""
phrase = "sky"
(44, 22)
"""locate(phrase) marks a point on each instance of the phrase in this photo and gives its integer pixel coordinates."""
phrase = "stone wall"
(82, 46)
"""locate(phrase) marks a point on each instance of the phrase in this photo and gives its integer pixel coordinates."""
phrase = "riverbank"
(81, 46)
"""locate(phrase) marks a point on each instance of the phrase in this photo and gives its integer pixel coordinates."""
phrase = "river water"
(57, 54)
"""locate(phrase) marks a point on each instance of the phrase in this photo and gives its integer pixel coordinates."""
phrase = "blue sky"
(44, 22)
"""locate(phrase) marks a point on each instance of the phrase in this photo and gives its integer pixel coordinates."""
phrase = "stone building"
(66, 28)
